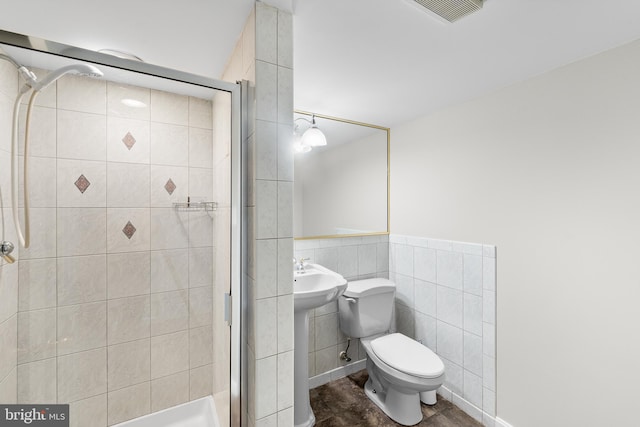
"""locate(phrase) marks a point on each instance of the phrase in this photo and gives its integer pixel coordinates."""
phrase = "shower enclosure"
(121, 304)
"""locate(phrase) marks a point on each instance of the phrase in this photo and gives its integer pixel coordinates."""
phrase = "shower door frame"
(238, 124)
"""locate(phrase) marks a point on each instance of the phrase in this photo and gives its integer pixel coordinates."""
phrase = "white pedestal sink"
(312, 288)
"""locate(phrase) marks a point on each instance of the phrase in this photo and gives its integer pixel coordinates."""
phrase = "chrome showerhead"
(80, 69)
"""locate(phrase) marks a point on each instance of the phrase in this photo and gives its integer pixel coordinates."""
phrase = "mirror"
(341, 189)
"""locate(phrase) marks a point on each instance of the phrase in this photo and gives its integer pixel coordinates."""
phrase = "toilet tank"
(366, 307)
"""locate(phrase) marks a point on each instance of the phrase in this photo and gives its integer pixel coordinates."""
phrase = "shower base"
(197, 413)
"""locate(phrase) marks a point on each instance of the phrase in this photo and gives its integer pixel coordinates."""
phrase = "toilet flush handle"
(350, 300)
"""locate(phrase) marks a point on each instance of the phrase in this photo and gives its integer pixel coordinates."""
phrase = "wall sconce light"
(312, 137)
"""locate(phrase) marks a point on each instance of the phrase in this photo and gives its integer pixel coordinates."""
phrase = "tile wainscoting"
(445, 298)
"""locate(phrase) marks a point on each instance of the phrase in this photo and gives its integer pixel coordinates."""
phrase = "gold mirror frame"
(388, 131)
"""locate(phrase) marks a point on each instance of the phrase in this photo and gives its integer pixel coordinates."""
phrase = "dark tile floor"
(343, 403)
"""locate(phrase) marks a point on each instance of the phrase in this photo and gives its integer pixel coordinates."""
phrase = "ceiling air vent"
(451, 10)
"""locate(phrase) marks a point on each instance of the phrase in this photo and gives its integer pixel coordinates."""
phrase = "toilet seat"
(408, 356)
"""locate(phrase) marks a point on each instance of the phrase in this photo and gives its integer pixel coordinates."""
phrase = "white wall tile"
(266, 158)
(426, 330)
(285, 95)
(473, 353)
(8, 352)
(170, 108)
(81, 231)
(90, 411)
(37, 285)
(425, 264)
(404, 260)
(169, 229)
(285, 270)
(200, 267)
(82, 327)
(201, 381)
(169, 144)
(169, 354)
(120, 130)
(266, 33)
(84, 94)
(118, 219)
(266, 268)
(266, 209)
(81, 279)
(405, 290)
(285, 39)
(200, 148)
(489, 273)
(169, 270)
(160, 176)
(42, 182)
(201, 346)
(37, 381)
(82, 375)
(285, 380)
(81, 136)
(201, 184)
(201, 225)
(128, 364)
(285, 209)
(128, 403)
(43, 230)
(169, 312)
(128, 319)
(128, 185)
(266, 383)
(266, 91)
(326, 333)
(285, 152)
(489, 402)
(36, 336)
(473, 274)
(454, 378)
(489, 339)
(450, 342)
(489, 307)
(367, 258)
(200, 113)
(473, 314)
(266, 339)
(117, 92)
(348, 261)
(327, 257)
(128, 274)
(489, 372)
(473, 389)
(450, 306)
(200, 306)
(449, 269)
(285, 323)
(169, 391)
(426, 297)
(405, 320)
(68, 193)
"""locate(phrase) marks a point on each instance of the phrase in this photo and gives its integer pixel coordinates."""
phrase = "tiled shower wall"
(445, 298)
(115, 292)
(355, 258)
(264, 57)
(8, 272)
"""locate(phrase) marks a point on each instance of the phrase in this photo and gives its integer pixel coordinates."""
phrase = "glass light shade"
(300, 147)
(314, 137)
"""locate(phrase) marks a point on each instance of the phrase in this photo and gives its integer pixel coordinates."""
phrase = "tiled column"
(271, 245)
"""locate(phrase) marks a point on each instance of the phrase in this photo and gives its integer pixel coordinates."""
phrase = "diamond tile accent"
(170, 186)
(129, 230)
(82, 183)
(129, 140)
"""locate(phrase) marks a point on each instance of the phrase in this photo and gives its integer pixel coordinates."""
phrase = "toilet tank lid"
(361, 288)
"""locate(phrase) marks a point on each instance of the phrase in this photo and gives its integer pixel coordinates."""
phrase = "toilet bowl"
(402, 372)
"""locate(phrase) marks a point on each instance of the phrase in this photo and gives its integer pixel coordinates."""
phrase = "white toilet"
(402, 372)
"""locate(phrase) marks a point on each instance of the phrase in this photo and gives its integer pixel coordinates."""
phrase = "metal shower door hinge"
(227, 308)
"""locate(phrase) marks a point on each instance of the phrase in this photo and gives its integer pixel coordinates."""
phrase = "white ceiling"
(376, 61)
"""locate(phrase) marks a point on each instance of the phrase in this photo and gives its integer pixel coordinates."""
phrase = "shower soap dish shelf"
(195, 206)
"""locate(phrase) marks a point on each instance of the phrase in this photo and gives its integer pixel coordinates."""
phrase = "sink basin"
(312, 288)
(316, 286)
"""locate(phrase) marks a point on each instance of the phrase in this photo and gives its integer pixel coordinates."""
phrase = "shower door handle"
(227, 308)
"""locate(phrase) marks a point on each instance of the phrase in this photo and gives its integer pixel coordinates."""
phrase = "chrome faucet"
(299, 265)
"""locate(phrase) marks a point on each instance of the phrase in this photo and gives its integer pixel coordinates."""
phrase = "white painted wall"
(549, 171)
